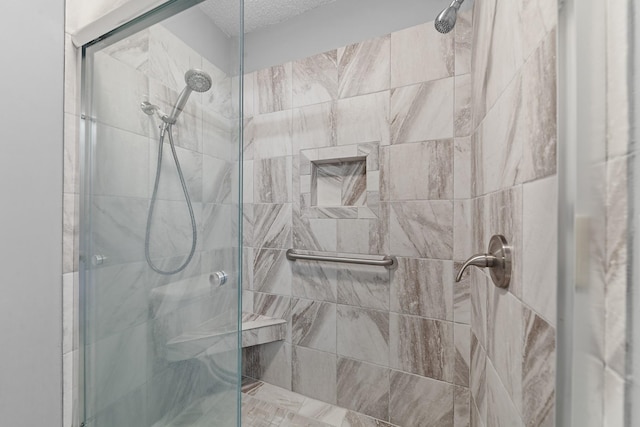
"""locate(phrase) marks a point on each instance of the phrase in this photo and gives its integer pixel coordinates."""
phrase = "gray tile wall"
(514, 193)
(392, 345)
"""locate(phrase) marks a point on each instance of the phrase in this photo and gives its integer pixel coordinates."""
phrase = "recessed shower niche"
(340, 182)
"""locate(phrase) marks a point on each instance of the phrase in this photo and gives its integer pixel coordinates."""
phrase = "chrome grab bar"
(389, 262)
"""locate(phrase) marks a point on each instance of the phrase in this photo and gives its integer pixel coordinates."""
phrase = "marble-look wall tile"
(273, 88)
(417, 401)
(217, 180)
(71, 146)
(272, 180)
(133, 50)
(119, 367)
(479, 284)
(270, 135)
(516, 142)
(501, 411)
(119, 225)
(504, 340)
(497, 51)
(272, 226)
(248, 219)
(315, 280)
(461, 407)
(314, 234)
(539, 263)
(363, 119)
(463, 42)
(70, 315)
(462, 121)
(539, 97)
(538, 371)
(542, 15)
(119, 84)
(272, 272)
(419, 54)
(170, 187)
(353, 236)
(363, 387)
(313, 324)
(315, 79)
(363, 286)
(364, 67)
(72, 72)
(314, 126)
(423, 287)
(431, 166)
(275, 306)
(422, 112)
(617, 264)
(421, 229)
(169, 58)
(314, 374)
(69, 232)
(462, 342)
(462, 168)
(478, 378)
(70, 389)
(422, 346)
(363, 334)
(123, 295)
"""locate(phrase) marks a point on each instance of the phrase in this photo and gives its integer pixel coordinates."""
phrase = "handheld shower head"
(446, 20)
(196, 80)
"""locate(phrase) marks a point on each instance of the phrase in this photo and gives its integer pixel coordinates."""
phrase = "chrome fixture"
(198, 81)
(98, 259)
(218, 278)
(498, 259)
(447, 18)
(388, 261)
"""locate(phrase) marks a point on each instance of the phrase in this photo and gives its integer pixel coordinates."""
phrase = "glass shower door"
(160, 231)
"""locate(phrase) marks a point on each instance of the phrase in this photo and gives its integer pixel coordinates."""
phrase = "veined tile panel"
(364, 67)
(418, 401)
(422, 346)
(363, 334)
(315, 79)
(273, 88)
(431, 166)
(363, 387)
(423, 287)
(420, 54)
(421, 229)
(314, 374)
(313, 324)
(423, 111)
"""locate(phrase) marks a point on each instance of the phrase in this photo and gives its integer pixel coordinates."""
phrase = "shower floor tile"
(265, 405)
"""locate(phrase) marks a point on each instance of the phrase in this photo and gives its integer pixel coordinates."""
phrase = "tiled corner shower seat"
(187, 339)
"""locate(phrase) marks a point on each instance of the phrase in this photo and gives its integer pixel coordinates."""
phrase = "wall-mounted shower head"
(447, 18)
(196, 80)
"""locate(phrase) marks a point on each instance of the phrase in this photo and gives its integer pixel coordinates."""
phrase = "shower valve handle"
(498, 259)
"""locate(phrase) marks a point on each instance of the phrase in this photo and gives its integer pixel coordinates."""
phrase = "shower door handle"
(498, 259)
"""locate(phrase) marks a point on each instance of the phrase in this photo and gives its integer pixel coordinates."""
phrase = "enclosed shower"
(277, 202)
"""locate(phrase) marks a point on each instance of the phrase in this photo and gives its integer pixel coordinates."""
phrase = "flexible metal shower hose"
(166, 128)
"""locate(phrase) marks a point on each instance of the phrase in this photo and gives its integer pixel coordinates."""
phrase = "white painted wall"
(31, 86)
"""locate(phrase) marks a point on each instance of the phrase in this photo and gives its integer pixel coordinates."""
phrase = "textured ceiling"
(258, 13)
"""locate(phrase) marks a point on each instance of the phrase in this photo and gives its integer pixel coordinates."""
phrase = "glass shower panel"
(160, 237)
